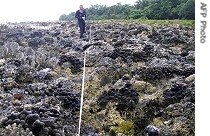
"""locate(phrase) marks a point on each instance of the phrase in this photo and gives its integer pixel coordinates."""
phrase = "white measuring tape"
(83, 87)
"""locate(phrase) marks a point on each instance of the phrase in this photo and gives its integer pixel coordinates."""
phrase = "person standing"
(81, 16)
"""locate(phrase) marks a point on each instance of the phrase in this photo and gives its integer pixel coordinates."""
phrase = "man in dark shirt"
(81, 16)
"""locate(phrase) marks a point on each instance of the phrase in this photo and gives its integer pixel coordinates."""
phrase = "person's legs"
(83, 24)
(81, 28)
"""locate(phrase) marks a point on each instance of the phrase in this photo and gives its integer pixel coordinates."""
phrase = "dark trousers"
(81, 24)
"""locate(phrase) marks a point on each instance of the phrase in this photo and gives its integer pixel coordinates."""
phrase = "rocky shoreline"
(139, 79)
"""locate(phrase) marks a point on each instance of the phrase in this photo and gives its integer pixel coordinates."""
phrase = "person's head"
(81, 7)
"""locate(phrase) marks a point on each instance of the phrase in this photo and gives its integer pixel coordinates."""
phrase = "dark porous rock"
(14, 62)
(13, 116)
(9, 71)
(25, 74)
(105, 80)
(150, 108)
(190, 93)
(75, 63)
(36, 34)
(31, 118)
(37, 126)
(175, 93)
(54, 111)
(23, 123)
(48, 40)
(123, 53)
(139, 56)
(23, 114)
(89, 130)
(188, 70)
(17, 121)
(44, 131)
(33, 87)
(171, 35)
(126, 98)
(147, 70)
(3, 121)
(69, 100)
(49, 122)
(44, 74)
(1, 43)
(157, 72)
(34, 42)
(8, 122)
(14, 35)
(179, 126)
(66, 42)
(178, 109)
(140, 125)
(56, 33)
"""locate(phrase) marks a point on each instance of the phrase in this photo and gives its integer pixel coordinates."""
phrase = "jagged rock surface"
(139, 79)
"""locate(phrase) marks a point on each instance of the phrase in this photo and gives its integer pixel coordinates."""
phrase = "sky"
(46, 10)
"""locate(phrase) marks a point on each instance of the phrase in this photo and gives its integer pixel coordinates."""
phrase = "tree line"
(142, 9)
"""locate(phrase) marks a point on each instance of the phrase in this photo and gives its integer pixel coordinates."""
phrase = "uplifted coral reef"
(139, 80)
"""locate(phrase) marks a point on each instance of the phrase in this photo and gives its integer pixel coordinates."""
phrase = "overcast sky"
(45, 10)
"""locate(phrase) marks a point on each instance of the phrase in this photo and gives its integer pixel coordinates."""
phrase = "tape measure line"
(83, 87)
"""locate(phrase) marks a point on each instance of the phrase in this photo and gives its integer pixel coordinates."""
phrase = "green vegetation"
(126, 127)
(150, 22)
(168, 22)
(141, 10)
